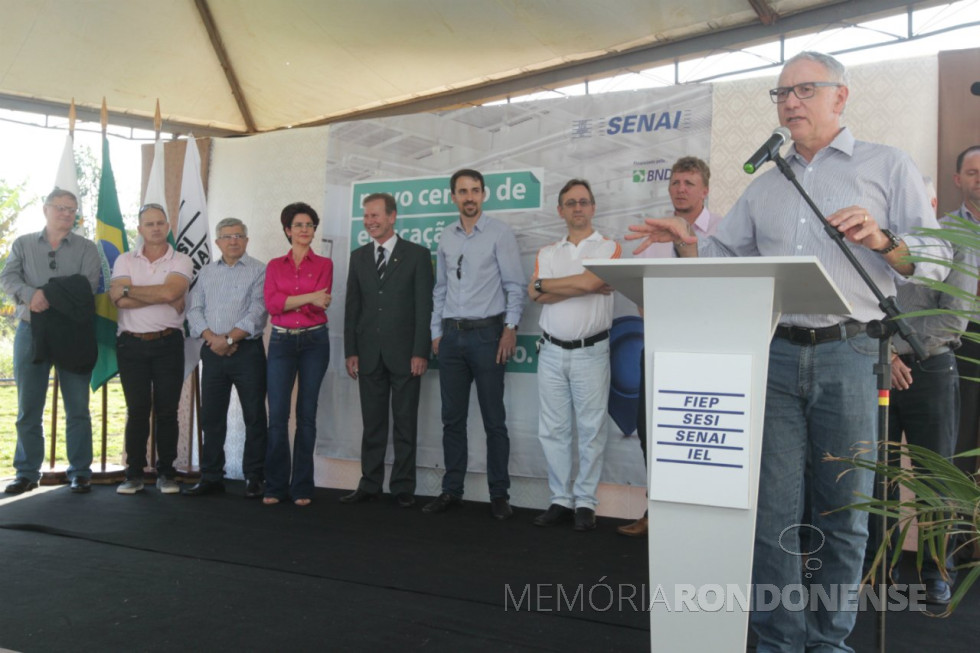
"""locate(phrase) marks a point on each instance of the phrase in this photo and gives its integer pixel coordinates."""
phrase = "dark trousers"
(928, 413)
(152, 375)
(969, 427)
(403, 390)
(245, 371)
(466, 356)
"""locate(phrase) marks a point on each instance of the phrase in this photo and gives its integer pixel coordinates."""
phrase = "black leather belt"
(909, 359)
(804, 336)
(466, 325)
(151, 335)
(576, 344)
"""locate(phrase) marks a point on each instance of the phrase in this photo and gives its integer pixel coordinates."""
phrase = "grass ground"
(116, 425)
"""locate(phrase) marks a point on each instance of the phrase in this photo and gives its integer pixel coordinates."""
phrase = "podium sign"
(707, 328)
(699, 448)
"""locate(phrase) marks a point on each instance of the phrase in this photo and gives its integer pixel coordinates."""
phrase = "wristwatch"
(895, 242)
(537, 285)
(230, 341)
(511, 326)
(125, 291)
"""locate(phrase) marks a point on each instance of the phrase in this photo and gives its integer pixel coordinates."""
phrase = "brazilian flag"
(110, 236)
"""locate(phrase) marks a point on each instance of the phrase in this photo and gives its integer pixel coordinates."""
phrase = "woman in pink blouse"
(297, 293)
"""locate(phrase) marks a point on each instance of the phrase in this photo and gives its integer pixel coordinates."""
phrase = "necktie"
(381, 262)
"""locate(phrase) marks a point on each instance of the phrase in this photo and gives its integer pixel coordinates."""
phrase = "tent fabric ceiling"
(297, 62)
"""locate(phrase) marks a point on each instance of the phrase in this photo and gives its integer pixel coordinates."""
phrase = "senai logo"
(647, 174)
(634, 123)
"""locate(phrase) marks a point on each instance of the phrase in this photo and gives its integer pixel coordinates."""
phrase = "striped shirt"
(228, 297)
(942, 330)
(772, 219)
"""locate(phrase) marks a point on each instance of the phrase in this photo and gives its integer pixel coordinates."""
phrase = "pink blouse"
(283, 280)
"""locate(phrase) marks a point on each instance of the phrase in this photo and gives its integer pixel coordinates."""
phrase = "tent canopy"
(247, 66)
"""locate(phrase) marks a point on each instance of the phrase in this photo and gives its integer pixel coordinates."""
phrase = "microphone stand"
(882, 330)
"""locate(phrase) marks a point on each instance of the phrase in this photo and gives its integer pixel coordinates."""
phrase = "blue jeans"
(573, 381)
(305, 355)
(928, 412)
(820, 400)
(466, 356)
(245, 370)
(32, 393)
(152, 375)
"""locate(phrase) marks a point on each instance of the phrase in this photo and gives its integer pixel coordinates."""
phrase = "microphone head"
(975, 88)
(782, 131)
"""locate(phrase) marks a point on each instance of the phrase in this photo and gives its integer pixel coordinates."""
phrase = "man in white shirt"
(573, 365)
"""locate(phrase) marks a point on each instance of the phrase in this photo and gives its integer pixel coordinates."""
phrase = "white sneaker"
(167, 485)
(130, 486)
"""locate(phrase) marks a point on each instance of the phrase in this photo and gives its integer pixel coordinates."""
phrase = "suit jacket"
(65, 333)
(388, 319)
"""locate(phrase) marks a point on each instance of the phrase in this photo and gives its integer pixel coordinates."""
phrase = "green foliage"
(945, 508)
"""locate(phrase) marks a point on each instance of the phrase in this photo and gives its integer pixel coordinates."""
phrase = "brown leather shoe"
(636, 529)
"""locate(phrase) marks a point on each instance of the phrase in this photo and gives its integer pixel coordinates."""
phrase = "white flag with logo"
(67, 179)
(192, 234)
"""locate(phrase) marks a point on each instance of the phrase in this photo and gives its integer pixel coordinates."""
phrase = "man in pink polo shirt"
(149, 286)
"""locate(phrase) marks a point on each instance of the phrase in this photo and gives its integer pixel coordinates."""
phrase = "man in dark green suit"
(387, 343)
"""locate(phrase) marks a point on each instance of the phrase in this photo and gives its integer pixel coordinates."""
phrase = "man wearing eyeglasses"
(34, 261)
(148, 287)
(573, 362)
(821, 397)
(477, 303)
(227, 310)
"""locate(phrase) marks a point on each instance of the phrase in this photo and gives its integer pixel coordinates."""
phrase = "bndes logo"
(643, 176)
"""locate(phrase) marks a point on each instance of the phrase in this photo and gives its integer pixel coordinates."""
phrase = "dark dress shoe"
(19, 486)
(584, 519)
(937, 592)
(254, 488)
(500, 508)
(555, 514)
(81, 485)
(203, 488)
(358, 496)
(405, 500)
(442, 503)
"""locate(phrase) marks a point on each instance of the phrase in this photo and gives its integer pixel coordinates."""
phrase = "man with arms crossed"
(477, 304)
(387, 345)
(149, 287)
(821, 397)
(573, 363)
(227, 310)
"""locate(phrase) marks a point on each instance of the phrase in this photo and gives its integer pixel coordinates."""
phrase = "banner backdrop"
(623, 143)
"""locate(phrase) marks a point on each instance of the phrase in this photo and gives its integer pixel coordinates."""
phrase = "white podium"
(708, 324)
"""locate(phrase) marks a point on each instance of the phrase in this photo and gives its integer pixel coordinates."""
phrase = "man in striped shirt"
(821, 397)
(227, 310)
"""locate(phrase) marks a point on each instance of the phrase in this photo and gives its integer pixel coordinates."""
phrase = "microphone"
(975, 88)
(769, 149)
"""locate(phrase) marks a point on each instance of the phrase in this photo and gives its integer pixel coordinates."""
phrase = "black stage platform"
(104, 572)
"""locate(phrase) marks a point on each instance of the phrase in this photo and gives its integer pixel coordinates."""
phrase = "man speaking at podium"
(821, 396)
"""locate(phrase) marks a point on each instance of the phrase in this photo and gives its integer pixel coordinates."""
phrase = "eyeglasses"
(570, 204)
(63, 208)
(148, 206)
(304, 225)
(459, 267)
(803, 91)
(235, 237)
(52, 263)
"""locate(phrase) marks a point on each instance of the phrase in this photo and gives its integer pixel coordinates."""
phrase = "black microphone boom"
(765, 153)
